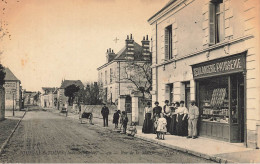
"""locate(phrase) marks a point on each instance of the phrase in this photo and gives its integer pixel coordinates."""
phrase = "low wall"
(2, 103)
(95, 109)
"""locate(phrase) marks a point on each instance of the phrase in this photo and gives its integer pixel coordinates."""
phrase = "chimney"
(110, 55)
(145, 48)
(129, 47)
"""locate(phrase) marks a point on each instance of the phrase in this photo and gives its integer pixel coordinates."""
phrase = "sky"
(46, 41)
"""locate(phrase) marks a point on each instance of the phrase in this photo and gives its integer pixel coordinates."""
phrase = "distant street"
(46, 137)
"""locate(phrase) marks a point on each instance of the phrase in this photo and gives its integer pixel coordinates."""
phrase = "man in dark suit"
(105, 113)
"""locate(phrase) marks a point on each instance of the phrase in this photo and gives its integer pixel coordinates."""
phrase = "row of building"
(203, 50)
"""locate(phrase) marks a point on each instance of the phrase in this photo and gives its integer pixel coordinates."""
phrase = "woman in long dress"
(172, 126)
(148, 123)
(181, 119)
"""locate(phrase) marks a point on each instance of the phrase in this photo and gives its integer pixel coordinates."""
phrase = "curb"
(197, 154)
(9, 137)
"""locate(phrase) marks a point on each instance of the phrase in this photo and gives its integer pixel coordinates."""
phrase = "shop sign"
(10, 89)
(231, 64)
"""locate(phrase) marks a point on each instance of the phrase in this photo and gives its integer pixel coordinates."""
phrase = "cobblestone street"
(47, 137)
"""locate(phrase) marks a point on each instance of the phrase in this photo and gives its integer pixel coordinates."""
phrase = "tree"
(139, 73)
(70, 92)
(88, 96)
(2, 75)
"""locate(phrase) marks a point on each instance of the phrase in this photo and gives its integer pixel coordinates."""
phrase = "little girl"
(161, 127)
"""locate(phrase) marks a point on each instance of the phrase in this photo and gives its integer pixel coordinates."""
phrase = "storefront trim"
(222, 66)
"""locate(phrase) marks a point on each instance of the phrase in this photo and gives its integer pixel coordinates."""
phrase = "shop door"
(242, 109)
(237, 108)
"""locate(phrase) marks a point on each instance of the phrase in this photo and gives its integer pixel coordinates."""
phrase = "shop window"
(216, 21)
(214, 100)
(168, 42)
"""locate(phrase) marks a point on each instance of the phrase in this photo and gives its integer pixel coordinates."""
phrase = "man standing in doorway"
(193, 119)
(105, 113)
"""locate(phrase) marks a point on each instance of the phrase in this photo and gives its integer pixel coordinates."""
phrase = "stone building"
(61, 98)
(49, 97)
(13, 92)
(208, 51)
(116, 78)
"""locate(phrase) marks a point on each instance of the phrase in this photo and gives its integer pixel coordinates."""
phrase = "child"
(124, 121)
(161, 128)
(155, 126)
(116, 118)
(131, 131)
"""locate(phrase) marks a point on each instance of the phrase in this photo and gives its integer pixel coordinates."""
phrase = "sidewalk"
(207, 148)
(215, 150)
(7, 126)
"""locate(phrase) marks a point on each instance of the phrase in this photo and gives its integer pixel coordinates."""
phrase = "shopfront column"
(177, 91)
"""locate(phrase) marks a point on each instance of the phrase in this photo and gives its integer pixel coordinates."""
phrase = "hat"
(182, 102)
(166, 101)
(192, 101)
(156, 102)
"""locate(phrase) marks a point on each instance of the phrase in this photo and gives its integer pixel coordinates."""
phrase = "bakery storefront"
(220, 93)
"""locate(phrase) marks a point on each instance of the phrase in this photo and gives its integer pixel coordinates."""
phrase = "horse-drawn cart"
(86, 115)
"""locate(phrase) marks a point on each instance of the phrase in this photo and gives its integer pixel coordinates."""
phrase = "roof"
(49, 89)
(167, 5)
(67, 83)
(121, 55)
(137, 51)
(10, 76)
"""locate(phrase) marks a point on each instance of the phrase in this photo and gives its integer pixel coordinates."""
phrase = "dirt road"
(47, 137)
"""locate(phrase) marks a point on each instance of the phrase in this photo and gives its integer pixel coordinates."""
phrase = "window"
(111, 75)
(101, 78)
(168, 42)
(216, 21)
(105, 77)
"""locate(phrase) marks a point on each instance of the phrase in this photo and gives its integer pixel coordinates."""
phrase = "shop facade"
(220, 96)
(215, 65)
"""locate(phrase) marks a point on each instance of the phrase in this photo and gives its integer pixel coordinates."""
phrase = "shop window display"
(214, 100)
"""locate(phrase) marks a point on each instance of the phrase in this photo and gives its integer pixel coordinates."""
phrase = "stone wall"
(95, 109)
(2, 103)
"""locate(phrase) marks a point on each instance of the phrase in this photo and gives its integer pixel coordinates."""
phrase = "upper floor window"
(105, 77)
(101, 78)
(216, 21)
(168, 42)
(111, 75)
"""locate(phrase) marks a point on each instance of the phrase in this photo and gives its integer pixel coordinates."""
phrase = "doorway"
(128, 104)
(187, 94)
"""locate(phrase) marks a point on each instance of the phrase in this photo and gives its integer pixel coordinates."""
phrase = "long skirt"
(168, 119)
(148, 124)
(172, 128)
(182, 126)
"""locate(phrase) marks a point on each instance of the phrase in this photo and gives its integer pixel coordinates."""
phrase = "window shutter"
(166, 41)
(212, 31)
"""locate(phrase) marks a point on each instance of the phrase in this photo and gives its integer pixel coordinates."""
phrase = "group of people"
(175, 119)
(119, 117)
